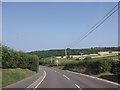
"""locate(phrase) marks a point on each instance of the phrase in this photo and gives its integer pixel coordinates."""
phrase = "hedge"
(14, 59)
(93, 66)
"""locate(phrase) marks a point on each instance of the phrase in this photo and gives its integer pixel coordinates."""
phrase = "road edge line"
(35, 82)
(40, 81)
(95, 78)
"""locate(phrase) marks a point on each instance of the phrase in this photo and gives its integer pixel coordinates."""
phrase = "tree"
(13, 59)
(87, 58)
(33, 63)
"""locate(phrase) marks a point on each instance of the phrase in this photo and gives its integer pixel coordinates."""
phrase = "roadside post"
(57, 62)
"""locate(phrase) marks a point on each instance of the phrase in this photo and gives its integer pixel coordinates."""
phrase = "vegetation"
(49, 53)
(0, 78)
(14, 59)
(88, 65)
(116, 68)
(17, 65)
(0, 55)
(13, 75)
(49, 62)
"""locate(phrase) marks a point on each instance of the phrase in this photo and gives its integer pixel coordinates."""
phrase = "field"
(108, 55)
(62, 61)
(10, 76)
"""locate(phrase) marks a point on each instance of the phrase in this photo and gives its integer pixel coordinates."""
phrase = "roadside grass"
(10, 76)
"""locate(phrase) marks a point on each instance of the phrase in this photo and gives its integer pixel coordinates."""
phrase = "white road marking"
(95, 78)
(59, 72)
(40, 81)
(66, 77)
(37, 81)
(78, 86)
(55, 71)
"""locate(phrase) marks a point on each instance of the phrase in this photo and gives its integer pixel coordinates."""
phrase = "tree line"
(61, 52)
(14, 59)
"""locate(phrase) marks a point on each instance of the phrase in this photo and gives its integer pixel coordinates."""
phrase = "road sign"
(57, 62)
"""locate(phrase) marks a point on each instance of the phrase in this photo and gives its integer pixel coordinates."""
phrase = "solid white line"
(66, 77)
(78, 86)
(94, 78)
(37, 80)
(40, 81)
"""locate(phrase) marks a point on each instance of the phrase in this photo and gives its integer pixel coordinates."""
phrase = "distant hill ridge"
(61, 52)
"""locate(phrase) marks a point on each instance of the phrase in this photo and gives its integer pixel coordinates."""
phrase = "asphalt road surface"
(56, 78)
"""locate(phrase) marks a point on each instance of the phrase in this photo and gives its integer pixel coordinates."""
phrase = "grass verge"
(10, 76)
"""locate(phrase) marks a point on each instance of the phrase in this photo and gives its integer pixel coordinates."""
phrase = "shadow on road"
(114, 78)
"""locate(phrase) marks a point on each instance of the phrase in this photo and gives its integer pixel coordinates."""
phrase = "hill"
(61, 52)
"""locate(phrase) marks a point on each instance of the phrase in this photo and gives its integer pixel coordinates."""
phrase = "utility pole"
(66, 52)
(81, 55)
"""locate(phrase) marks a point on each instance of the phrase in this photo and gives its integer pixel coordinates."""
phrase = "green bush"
(100, 66)
(90, 66)
(13, 59)
(115, 68)
(9, 58)
(23, 60)
(87, 58)
(33, 63)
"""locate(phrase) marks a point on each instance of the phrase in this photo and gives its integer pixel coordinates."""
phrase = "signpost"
(57, 62)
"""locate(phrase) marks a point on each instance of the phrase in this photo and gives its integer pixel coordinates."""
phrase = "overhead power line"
(98, 24)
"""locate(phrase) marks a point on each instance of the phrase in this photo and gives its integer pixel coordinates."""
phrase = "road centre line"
(57, 71)
(66, 77)
(78, 86)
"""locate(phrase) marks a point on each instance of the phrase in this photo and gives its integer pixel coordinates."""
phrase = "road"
(56, 78)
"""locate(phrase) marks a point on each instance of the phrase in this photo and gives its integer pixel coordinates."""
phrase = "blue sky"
(0, 21)
(41, 26)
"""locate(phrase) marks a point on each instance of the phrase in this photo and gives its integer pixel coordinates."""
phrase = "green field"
(10, 76)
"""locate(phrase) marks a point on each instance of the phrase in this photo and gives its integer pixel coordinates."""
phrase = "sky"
(60, 0)
(29, 26)
(0, 21)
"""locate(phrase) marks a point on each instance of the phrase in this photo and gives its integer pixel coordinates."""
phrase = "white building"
(103, 53)
(115, 52)
(58, 57)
